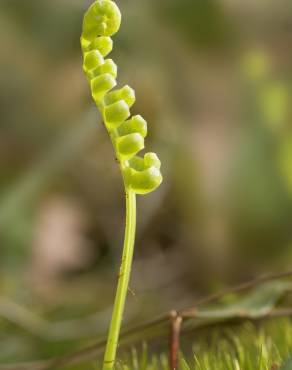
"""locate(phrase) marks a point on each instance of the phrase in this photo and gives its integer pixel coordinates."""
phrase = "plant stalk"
(123, 282)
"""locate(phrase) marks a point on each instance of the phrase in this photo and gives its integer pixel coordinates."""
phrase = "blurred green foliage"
(202, 22)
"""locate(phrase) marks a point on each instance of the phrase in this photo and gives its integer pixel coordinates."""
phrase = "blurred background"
(213, 79)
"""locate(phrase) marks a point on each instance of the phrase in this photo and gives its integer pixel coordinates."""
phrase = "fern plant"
(141, 175)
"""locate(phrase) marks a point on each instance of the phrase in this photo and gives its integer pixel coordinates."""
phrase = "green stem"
(123, 282)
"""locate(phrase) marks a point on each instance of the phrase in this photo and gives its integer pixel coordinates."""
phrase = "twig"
(174, 340)
(90, 353)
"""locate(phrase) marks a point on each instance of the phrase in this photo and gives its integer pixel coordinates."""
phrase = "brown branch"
(174, 340)
(90, 353)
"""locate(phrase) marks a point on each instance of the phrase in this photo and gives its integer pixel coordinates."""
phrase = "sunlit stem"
(123, 282)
